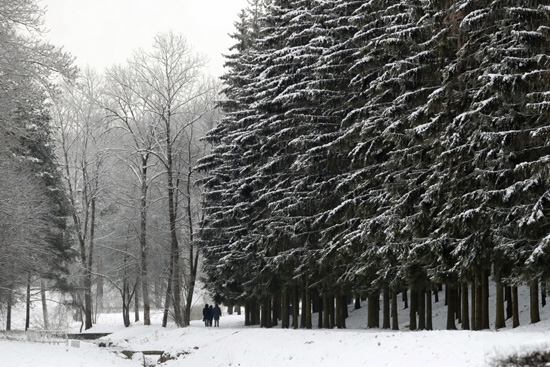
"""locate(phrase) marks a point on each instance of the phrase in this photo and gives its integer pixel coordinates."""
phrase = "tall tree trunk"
(332, 313)
(168, 294)
(309, 323)
(172, 216)
(499, 319)
(44, 304)
(295, 306)
(458, 303)
(125, 308)
(534, 301)
(326, 311)
(357, 301)
(321, 309)
(88, 302)
(8, 308)
(421, 306)
(344, 313)
(429, 324)
(303, 320)
(265, 320)
(386, 308)
(464, 300)
(144, 274)
(136, 305)
(474, 305)
(247, 314)
(100, 285)
(413, 310)
(338, 312)
(543, 293)
(285, 319)
(515, 307)
(28, 303)
(479, 301)
(373, 307)
(193, 252)
(394, 312)
(485, 299)
(451, 304)
(405, 300)
(508, 298)
(276, 308)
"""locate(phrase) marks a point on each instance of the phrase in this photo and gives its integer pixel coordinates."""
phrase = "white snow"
(233, 344)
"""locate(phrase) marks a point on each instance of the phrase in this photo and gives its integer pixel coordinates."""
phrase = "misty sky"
(103, 32)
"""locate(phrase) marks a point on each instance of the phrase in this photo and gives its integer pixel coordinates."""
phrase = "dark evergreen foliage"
(375, 146)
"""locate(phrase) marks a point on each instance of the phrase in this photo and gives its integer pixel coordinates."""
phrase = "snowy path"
(234, 345)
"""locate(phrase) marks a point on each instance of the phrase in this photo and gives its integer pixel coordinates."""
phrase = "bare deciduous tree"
(170, 81)
(78, 121)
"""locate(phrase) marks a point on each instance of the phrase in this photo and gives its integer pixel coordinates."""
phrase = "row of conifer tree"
(368, 147)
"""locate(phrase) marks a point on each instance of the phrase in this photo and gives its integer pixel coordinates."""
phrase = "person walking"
(205, 314)
(216, 313)
(210, 315)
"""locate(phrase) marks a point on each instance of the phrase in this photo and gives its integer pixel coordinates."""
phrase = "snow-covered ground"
(232, 344)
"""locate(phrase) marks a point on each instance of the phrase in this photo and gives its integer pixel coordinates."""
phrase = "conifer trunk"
(534, 301)
(394, 312)
(464, 300)
(309, 323)
(372, 311)
(247, 314)
(338, 312)
(295, 306)
(474, 305)
(321, 306)
(451, 305)
(344, 313)
(458, 303)
(499, 320)
(268, 312)
(543, 293)
(479, 301)
(412, 310)
(276, 308)
(285, 316)
(421, 307)
(326, 311)
(515, 307)
(263, 314)
(429, 325)
(508, 296)
(386, 309)
(485, 299)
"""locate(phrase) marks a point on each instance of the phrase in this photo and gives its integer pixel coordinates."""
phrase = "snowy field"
(235, 345)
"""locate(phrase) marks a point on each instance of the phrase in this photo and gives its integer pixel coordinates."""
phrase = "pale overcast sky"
(100, 33)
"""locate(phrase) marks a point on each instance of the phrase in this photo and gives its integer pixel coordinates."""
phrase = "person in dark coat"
(210, 315)
(216, 313)
(205, 314)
